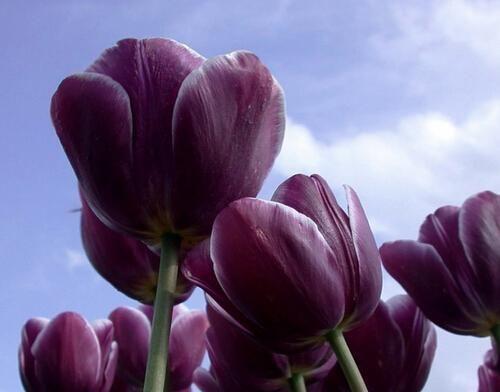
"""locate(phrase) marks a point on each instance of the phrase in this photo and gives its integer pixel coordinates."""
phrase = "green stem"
(297, 383)
(495, 334)
(346, 361)
(156, 371)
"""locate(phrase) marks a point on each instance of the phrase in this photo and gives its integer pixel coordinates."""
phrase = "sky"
(400, 100)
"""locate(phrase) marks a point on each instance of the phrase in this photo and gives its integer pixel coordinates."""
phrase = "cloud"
(406, 171)
(75, 259)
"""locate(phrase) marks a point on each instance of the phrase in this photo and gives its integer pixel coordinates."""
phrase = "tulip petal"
(441, 230)
(420, 343)
(228, 127)
(110, 368)
(479, 223)
(379, 356)
(205, 381)
(30, 331)
(489, 379)
(350, 239)
(132, 333)
(369, 273)
(187, 347)
(436, 294)
(128, 264)
(239, 362)
(92, 117)
(104, 332)
(67, 355)
(274, 265)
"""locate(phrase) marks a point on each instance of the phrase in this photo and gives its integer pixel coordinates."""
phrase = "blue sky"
(400, 100)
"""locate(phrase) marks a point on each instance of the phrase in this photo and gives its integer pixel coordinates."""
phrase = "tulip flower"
(453, 270)
(292, 275)
(489, 372)
(162, 140)
(133, 331)
(67, 354)
(128, 264)
(394, 349)
(240, 363)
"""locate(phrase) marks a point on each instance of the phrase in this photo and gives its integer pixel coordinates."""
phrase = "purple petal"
(273, 264)
(368, 277)
(132, 333)
(187, 347)
(419, 340)
(125, 262)
(350, 239)
(110, 368)
(441, 230)
(239, 362)
(115, 125)
(479, 223)
(379, 356)
(30, 331)
(104, 332)
(205, 381)
(489, 379)
(228, 128)
(437, 294)
(67, 355)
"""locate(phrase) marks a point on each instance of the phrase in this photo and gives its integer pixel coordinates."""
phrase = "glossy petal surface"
(272, 262)
(228, 128)
(67, 355)
(30, 331)
(437, 295)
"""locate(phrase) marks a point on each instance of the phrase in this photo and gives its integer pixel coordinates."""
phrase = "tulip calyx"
(346, 360)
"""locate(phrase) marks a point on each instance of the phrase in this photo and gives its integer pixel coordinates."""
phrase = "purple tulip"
(489, 372)
(186, 348)
(239, 363)
(162, 140)
(128, 264)
(394, 349)
(67, 354)
(453, 271)
(290, 275)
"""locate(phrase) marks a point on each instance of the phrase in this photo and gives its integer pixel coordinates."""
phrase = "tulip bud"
(186, 348)
(67, 354)
(453, 270)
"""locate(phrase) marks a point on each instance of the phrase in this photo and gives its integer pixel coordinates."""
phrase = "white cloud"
(75, 259)
(405, 172)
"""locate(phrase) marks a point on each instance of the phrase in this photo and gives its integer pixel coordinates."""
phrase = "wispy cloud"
(75, 259)
(405, 172)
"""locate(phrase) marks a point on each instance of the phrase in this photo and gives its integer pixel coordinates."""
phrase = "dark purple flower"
(453, 271)
(67, 354)
(128, 264)
(489, 372)
(272, 263)
(161, 140)
(186, 348)
(393, 349)
(240, 363)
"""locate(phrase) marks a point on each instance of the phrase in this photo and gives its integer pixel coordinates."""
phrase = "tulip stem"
(495, 333)
(297, 383)
(346, 361)
(156, 371)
